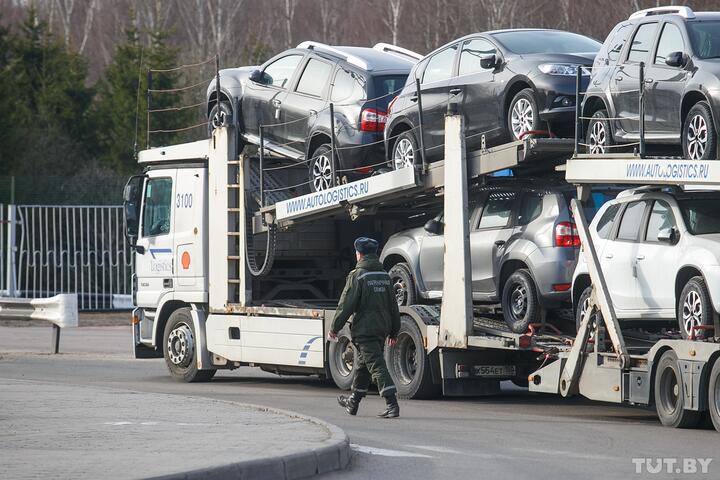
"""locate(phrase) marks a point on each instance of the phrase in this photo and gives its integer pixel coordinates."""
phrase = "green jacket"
(368, 294)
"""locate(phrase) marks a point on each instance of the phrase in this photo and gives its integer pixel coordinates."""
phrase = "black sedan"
(507, 83)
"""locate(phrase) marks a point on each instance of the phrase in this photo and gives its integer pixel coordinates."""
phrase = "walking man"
(369, 295)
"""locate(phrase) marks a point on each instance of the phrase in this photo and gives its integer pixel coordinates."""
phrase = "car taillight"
(372, 120)
(390, 105)
(566, 235)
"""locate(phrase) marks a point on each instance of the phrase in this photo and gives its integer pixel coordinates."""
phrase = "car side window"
(641, 43)
(661, 218)
(530, 208)
(498, 210)
(472, 52)
(631, 220)
(606, 222)
(671, 40)
(314, 78)
(440, 65)
(279, 73)
(618, 42)
(345, 86)
(156, 214)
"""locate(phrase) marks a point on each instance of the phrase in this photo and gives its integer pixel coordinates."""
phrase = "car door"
(619, 257)
(306, 102)
(654, 262)
(434, 88)
(261, 100)
(431, 261)
(488, 239)
(475, 89)
(665, 85)
(625, 84)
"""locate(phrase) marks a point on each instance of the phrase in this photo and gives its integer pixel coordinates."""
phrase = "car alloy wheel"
(401, 290)
(593, 320)
(521, 117)
(181, 345)
(598, 138)
(697, 137)
(321, 173)
(404, 154)
(692, 313)
(518, 301)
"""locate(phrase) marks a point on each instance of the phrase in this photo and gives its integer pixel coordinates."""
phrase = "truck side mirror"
(676, 59)
(488, 61)
(434, 226)
(132, 197)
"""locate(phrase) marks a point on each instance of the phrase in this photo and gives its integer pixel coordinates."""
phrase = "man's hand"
(332, 336)
(391, 341)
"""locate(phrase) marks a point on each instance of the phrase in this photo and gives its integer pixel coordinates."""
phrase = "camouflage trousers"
(371, 366)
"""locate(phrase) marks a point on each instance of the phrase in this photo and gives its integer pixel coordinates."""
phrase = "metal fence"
(67, 249)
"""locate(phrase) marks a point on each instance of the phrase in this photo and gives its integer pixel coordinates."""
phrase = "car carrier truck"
(234, 268)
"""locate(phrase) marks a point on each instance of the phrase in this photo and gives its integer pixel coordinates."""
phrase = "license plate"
(494, 371)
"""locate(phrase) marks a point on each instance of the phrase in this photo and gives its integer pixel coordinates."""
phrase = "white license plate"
(494, 371)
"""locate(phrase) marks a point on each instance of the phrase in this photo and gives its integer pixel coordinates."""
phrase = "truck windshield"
(701, 215)
(705, 38)
(526, 42)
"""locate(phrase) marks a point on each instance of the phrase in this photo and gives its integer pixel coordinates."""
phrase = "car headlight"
(560, 69)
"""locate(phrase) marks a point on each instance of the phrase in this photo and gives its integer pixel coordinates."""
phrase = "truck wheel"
(699, 138)
(403, 284)
(670, 395)
(341, 360)
(714, 395)
(694, 308)
(408, 363)
(179, 347)
(520, 303)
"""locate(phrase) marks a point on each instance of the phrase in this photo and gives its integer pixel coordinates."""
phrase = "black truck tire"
(179, 348)
(408, 363)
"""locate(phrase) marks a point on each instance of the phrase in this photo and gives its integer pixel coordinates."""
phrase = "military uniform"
(369, 295)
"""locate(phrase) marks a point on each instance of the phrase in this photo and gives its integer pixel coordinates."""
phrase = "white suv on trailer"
(659, 249)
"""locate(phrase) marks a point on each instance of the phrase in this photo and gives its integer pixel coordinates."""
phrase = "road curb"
(333, 455)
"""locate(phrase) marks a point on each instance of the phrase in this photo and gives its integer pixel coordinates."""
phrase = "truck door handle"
(499, 243)
(167, 283)
(455, 91)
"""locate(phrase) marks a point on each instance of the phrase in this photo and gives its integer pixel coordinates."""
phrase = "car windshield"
(544, 41)
(701, 215)
(705, 38)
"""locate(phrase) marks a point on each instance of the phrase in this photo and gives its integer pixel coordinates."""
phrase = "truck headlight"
(560, 69)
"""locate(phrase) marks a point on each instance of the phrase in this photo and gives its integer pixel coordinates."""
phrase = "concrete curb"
(333, 455)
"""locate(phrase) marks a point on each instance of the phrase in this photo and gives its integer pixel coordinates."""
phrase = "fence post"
(332, 144)
(642, 109)
(149, 95)
(262, 167)
(578, 109)
(11, 276)
(420, 125)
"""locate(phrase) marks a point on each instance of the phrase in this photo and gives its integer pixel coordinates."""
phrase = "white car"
(659, 250)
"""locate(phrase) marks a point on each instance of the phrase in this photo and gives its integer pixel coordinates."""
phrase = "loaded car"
(659, 250)
(508, 83)
(290, 94)
(524, 247)
(680, 50)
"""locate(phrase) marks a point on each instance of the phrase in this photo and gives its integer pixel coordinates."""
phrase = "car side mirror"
(434, 226)
(676, 59)
(256, 76)
(489, 61)
(667, 235)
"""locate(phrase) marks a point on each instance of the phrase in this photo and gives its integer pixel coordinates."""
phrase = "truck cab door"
(154, 252)
(190, 230)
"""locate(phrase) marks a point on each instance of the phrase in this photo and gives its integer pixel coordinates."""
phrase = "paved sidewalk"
(57, 431)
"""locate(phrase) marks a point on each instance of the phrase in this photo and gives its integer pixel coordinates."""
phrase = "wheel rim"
(345, 356)
(181, 345)
(405, 358)
(321, 173)
(593, 319)
(401, 290)
(692, 312)
(598, 138)
(521, 117)
(518, 301)
(404, 154)
(716, 402)
(669, 391)
(218, 119)
(697, 137)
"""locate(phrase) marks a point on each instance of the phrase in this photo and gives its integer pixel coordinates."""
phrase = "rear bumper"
(360, 150)
(552, 270)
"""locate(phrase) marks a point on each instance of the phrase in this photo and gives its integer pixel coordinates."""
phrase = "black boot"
(393, 409)
(351, 403)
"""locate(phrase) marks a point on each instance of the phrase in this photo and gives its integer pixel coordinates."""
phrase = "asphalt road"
(515, 435)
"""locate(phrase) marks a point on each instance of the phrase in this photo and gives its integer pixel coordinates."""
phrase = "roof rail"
(351, 59)
(685, 12)
(395, 50)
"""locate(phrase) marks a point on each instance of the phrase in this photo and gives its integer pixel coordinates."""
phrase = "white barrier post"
(60, 310)
(11, 268)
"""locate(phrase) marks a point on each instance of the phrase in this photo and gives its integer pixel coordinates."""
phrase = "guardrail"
(60, 310)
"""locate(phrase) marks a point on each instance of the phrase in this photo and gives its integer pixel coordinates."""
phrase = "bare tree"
(329, 19)
(392, 18)
(289, 15)
(87, 28)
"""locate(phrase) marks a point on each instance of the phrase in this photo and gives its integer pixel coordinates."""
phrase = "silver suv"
(524, 248)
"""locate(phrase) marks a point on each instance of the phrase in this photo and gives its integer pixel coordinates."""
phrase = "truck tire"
(342, 359)
(520, 303)
(670, 395)
(403, 284)
(179, 348)
(408, 363)
(694, 308)
(714, 395)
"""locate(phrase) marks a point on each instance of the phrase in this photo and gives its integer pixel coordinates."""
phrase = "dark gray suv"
(290, 94)
(524, 248)
(681, 52)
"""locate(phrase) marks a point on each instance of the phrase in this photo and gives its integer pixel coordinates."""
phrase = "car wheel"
(583, 305)
(179, 342)
(670, 395)
(403, 284)
(523, 114)
(699, 135)
(599, 139)
(405, 151)
(520, 303)
(341, 361)
(320, 169)
(219, 117)
(694, 308)
(408, 363)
